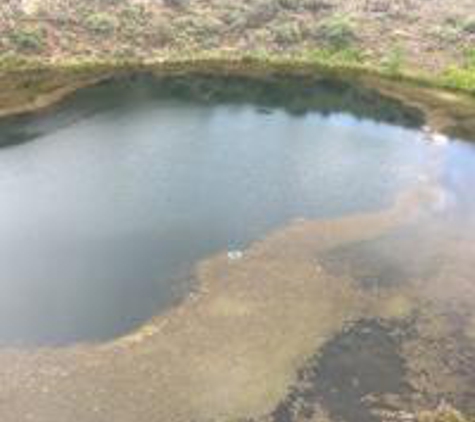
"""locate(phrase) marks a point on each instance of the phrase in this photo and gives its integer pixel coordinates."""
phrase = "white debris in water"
(426, 129)
(235, 255)
(439, 139)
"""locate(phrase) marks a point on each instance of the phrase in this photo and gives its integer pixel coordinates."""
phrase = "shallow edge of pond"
(38, 87)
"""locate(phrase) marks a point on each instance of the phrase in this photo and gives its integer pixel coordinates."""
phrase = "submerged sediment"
(229, 352)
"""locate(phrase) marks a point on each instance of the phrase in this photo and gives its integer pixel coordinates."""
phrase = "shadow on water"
(296, 96)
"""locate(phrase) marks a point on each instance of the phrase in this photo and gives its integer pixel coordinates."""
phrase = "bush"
(202, 30)
(261, 12)
(32, 39)
(176, 3)
(337, 30)
(290, 4)
(468, 25)
(287, 33)
(316, 5)
(454, 29)
(163, 31)
(470, 59)
(234, 19)
(393, 62)
(309, 5)
(101, 23)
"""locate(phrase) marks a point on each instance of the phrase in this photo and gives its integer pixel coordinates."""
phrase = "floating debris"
(437, 138)
(235, 255)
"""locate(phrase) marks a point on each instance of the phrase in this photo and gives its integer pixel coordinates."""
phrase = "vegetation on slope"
(391, 36)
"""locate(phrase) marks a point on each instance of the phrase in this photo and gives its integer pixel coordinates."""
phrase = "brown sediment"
(430, 314)
(446, 112)
(227, 353)
(31, 91)
(441, 354)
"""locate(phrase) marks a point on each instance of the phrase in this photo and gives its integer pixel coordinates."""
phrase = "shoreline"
(245, 373)
(34, 87)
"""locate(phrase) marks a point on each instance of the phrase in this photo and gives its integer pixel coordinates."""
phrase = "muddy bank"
(31, 90)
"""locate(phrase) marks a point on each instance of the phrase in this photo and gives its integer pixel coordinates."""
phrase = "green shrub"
(337, 31)
(163, 31)
(309, 5)
(393, 62)
(468, 25)
(200, 29)
(261, 12)
(176, 3)
(450, 31)
(112, 2)
(316, 5)
(31, 39)
(287, 33)
(470, 59)
(101, 23)
(453, 29)
(350, 56)
(290, 4)
(235, 19)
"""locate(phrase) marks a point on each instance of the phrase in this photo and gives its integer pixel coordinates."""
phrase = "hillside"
(432, 35)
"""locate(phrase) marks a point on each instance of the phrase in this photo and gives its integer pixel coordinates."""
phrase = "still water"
(323, 222)
(109, 199)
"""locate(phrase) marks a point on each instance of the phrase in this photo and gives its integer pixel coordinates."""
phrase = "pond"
(112, 200)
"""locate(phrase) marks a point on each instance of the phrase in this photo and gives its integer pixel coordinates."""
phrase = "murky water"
(110, 200)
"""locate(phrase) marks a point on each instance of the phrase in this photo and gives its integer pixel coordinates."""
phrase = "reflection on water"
(353, 297)
(129, 184)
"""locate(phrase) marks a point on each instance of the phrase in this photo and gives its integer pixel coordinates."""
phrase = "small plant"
(393, 62)
(470, 59)
(453, 29)
(316, 5)
(101, 23)
(338, 57)
(337, 30)
(287, 33)
(176, 3)
(290, 4)
(468, 25)
(261, 12)
(31, 39)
